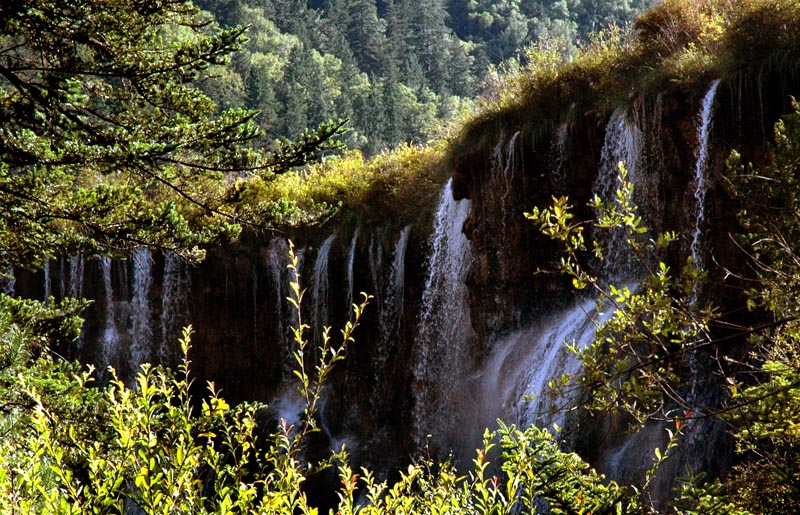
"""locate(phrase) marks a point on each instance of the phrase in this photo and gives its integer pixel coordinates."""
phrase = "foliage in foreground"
(70, 447)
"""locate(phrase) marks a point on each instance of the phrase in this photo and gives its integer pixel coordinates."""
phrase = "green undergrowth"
(72, 447)
(677, 44)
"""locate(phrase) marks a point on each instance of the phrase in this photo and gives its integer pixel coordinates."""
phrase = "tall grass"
(678, 43)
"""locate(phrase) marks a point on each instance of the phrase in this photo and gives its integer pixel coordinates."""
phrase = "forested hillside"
(395, 69)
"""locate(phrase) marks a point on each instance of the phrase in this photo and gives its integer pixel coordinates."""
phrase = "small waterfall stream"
(76, 276)
(623, 143)
(278, 259)
(110, 342)
(705, 121)
(390, 316)
(141, 331)
(8, 282)
(351, 261)
(392, 299)
(48, 283)
(175, 290)
(444, 330)
(319, 292)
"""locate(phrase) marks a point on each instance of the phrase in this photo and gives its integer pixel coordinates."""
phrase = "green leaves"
(640, 359)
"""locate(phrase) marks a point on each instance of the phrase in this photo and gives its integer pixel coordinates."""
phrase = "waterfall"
(109, 350)
(510, 163)
(701, 188)
(351, 259)
(47, 280)
(558, 148)
(514, 383)
(392, 306)
(174, 307)
(62, 277)
(376, 266)
(390, 313)
(320, 287)
(444, 328)
(7, 282)
(141, 329)
(76, 276)
(624, 143)
(277, 259)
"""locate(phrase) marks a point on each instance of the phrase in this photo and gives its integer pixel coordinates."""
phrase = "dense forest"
(182, 128)
(395, 69)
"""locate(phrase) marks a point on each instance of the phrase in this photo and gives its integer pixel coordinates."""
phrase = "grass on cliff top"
(678, 43)
(394, 187)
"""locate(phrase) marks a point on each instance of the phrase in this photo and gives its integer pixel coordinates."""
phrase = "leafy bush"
(766, 402)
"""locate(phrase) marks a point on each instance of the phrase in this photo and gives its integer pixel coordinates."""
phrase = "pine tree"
(107, 141)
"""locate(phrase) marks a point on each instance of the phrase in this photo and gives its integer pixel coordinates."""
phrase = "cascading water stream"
(510, 163)
(623, 143)
(174, 306)
(61, 277)
(277, 256)
(110, 344)
(558, 149)
(8, 282)
(706, 120)
(390, 313)
(320, 288)
(392, 305)
(47, 280)
(76, 276)
(376, 266)
(351, 260)
(141, 325)
(514, 383)
(444, 328)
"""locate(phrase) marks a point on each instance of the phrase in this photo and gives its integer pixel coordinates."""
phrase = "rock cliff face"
(461, 326)
(675, 145)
